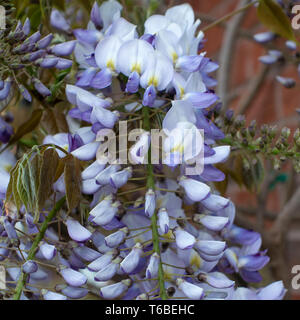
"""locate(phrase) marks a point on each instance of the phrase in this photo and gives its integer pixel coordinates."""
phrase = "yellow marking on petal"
(136, 67)
(174, 56)
(181, 92)
(66, 147)
(110, 64)
(153, 80)
(179, 148)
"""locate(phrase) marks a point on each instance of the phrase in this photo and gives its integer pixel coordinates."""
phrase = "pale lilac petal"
(217, 280)
(153, 266)
(86, 253)
(215, 202)
(50, 295)
(214, 223)
(48, 251)
(102, 261)
(86, 77)
(113, 291)
(190, 290)
(77, 232)
(75, 293)
(64, 49)
(253, 262)
(131, 261)
(118, 179)
(86, 152)
(107, 272)
(210, 247)
(274, 291)
(73, 278)
(221, 155)
(103, 177)
(90, 186)
(102, 79)
(184, 240)
(92, 170)
(194, 189)
(163, 220)
(150, 203)
(115, 239)
(58, 21)
(63, 64)
(30, 266)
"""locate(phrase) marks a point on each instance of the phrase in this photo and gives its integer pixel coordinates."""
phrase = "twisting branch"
(284, 218)
(254, 87)
(227, 50)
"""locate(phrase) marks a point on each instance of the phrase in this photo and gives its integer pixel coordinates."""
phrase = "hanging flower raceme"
(22, 50)
(141, 230)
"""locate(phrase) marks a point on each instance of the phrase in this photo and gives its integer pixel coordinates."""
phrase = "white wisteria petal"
(182, 14)
(134, 55)
(221, 155)
(156, 23)
(211, 247)
(110, 11)
(215, 202)
(184, 240)
(123, 29)
(158, 73)
(194, 189)
(87, 152)
(190, 290)
(106, 52)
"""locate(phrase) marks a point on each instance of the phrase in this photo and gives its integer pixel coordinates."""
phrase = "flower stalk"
(155, 234)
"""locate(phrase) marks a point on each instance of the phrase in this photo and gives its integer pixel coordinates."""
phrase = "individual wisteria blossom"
(132, 237)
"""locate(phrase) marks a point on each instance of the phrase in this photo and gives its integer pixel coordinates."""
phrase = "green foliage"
(273, 17)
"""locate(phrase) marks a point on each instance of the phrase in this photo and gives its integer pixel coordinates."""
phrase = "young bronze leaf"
(28, 126)
(11, 193)
(72, 181)
(273, 17)
(48, 169)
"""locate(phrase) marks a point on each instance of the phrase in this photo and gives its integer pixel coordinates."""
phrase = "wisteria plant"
(87, 214)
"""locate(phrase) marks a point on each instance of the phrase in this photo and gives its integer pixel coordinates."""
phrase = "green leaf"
(72, 181)
(273, 17)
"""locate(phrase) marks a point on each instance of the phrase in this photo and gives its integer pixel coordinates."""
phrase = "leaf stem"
(23, 277)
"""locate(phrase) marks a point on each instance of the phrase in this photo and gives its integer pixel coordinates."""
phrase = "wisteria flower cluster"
(142, 230)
